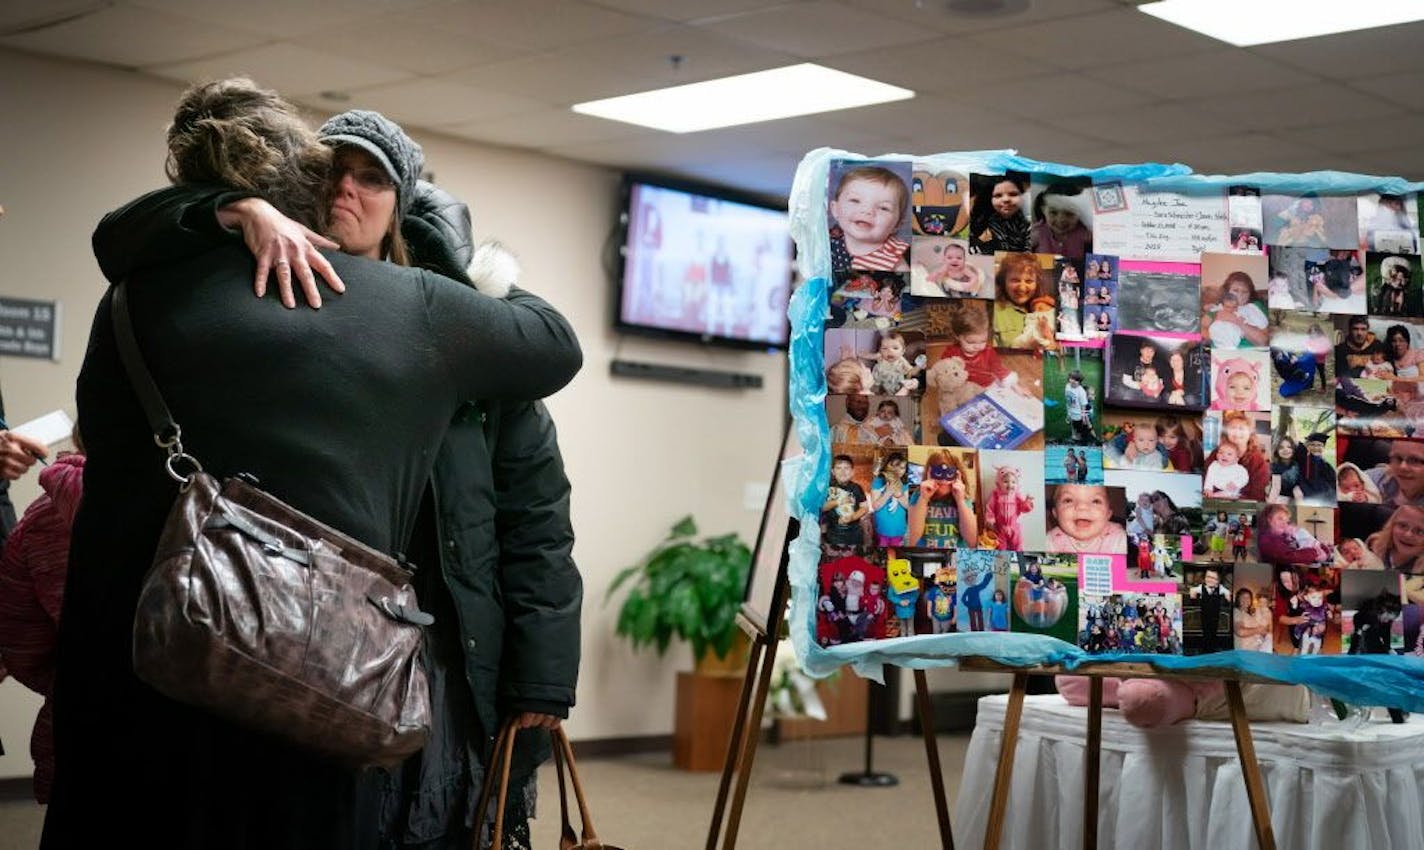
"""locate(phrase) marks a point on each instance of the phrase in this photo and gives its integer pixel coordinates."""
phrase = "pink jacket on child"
(32, 572)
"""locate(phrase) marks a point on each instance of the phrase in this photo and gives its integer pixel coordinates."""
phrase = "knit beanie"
(384, 140)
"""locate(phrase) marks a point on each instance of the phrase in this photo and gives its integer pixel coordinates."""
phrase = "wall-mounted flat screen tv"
(703, 264)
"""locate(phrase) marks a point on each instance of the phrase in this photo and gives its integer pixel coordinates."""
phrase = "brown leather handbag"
(563, 761)
(270, 619)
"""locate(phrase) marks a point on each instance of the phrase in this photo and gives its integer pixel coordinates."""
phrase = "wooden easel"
(1240, 727)
(764, 630)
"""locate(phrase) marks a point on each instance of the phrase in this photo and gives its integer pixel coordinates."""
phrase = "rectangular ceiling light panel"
(1245, 23)
(745, 99)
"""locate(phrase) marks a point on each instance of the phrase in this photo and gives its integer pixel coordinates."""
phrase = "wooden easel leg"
(1092, 763)
(1250, 768)
(999, 804)
(734, 746)
(922, 699)
(751, 736)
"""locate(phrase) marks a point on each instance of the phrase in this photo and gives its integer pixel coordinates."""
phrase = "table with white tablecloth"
(1181, 786)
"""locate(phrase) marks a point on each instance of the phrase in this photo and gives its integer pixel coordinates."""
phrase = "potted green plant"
(686, 589)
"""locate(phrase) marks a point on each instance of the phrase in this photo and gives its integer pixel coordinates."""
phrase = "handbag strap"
(498, 768)
(166, 433)
(564, 762)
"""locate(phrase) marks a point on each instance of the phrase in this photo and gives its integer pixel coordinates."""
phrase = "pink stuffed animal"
(1150, 703)
(1004, 507)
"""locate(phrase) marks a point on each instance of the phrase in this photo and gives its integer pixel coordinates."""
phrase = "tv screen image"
(704, 266)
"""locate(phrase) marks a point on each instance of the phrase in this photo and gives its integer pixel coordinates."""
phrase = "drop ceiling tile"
(430, 102)
(935, 14)
(1298, 106)
(1145, 124)
(18, 15)
(553, 78)
(946, 65)
(1406, 89)
(683, 10)
(545, 128)
(702, 55)
(419, 49)
(283, 19)
(1348, 138)
(818, 29)
(1406, 162)
(1085, 41)
(1220, 72)
(132, 37)
(530, 24)
(1348, 55)
(290, 69)
(1057, 95)
(768, 175)
(1240, 153)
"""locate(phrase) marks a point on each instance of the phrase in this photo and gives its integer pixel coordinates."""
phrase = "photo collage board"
(1135, 420)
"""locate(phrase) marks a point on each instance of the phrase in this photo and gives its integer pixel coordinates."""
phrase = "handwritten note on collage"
(1139, 421)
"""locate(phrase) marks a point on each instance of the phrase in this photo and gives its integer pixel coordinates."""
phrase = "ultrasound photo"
(1153, 301)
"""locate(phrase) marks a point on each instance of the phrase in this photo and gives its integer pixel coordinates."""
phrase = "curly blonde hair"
(233, 133)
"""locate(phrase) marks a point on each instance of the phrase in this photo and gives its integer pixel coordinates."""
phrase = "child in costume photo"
(1237, 381)
(1003, 507)
(868, 207)
(902, 591)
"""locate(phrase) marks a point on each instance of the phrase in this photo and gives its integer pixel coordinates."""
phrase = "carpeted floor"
(643, 803)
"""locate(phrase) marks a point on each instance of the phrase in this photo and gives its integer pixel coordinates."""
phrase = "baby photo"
(1072, 396)
(851, 605)
(1226, 533)
(1252, 604)
(1206, 609)
(944, 488)
(1131, 623)
(1248, 433)
(1389, 223)
(1307, 611)
(1045, 595)
(1303, 358)
(1233, 305)
(1303, 456)
(1067, 465)
(1371, 605)
(1240, 379)
(867, 299)
(1024, 301)
(1395, 285)
(942, 267)
(846, 527)
(1086, 518)
(1156, 372)
(863, 420)
(1316, 279)
(1011, 507)
(1062, 217)
(867, 362)
(983, 592)
(1159, 297)
(939, 199)
(998, 213)
(1311, 221)
(1294, 534)
(1156, 442)
(869, 206)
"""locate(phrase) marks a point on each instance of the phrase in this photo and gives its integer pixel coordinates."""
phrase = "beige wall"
(78, 140)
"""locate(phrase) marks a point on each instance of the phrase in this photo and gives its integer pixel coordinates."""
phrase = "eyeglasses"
(1407, 460)
(368, 180)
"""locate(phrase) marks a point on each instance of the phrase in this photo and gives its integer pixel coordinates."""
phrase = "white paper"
(53, 427)
(1163, 226)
